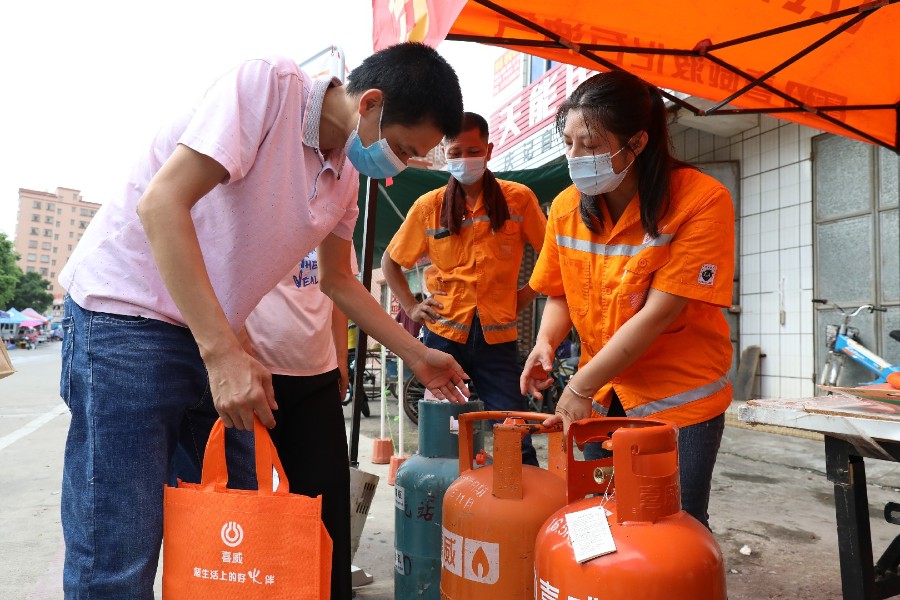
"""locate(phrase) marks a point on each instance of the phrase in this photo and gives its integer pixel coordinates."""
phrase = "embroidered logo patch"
(707, 275)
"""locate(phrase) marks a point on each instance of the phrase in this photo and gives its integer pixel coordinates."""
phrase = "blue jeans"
(698, 446)
(494, 369)
(131, 384)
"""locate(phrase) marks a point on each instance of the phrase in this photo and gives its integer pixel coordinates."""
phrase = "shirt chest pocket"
(445, 250)
(637, 278)
(506, 240)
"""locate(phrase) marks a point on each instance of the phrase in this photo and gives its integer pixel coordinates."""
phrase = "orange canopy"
(829, 64)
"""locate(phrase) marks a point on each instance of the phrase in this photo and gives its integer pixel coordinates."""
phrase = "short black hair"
(418, 86)
(472, 121)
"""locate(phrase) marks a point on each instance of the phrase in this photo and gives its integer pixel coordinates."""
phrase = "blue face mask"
(377, 160)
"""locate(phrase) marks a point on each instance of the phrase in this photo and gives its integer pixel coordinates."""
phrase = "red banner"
(426, 21)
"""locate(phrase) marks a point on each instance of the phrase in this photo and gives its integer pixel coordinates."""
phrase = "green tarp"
(394, 201)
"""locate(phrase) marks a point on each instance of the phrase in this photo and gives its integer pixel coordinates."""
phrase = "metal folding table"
(854, 429)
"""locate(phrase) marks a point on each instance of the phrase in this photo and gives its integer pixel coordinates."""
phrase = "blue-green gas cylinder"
(419, 495)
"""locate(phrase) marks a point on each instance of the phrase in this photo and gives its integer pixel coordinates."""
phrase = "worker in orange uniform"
(474, 230)
(639, 256)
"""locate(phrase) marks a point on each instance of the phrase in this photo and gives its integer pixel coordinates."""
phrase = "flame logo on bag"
(232, 534)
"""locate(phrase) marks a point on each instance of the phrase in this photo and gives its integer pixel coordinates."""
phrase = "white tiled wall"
(776, 270)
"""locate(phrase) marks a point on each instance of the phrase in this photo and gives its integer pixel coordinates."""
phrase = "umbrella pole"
(401, 400)
(383, 389)
(368, 250)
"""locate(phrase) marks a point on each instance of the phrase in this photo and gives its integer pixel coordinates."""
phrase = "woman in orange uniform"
(639, 257)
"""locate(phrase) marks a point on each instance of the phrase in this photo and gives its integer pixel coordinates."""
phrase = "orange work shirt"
(605, 278)
(479, 268)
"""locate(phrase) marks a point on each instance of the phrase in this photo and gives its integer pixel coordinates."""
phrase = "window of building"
(70, 247)
(35, 218)
(55, 236)
(49, 220)
(59, 211)
(539, 66)
(86, 212)
(32, 257)
(50, 206)
(29, 270)
(53, 263)
(856, 219)
(45, 258)
(46, 245)
(48, 233)
(53, 274)
(71, 234)
(57, 223)
(72, 222)
(36, 204)
(73, 209)
(44, 271)
(35, 231)
(82, 224)
(32, 243)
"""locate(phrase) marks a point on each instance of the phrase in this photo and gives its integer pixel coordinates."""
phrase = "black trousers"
(312, 443)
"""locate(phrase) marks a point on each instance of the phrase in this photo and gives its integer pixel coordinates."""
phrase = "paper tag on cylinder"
(589, 533)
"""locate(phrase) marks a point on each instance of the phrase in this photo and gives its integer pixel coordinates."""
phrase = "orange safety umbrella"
(829, 64)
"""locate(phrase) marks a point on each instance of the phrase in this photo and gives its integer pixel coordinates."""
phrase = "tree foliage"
(32, 290)
(10, 273)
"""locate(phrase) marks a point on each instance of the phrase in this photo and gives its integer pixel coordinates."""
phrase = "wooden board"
(883, 392)
(837, 405)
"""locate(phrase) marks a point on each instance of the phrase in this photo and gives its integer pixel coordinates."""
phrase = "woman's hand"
(441, 374)
(569, 409)
(535, 376)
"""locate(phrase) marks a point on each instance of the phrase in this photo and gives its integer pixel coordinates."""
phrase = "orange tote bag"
(227, 544)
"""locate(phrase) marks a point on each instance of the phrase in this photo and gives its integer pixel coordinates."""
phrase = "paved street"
(769, 493)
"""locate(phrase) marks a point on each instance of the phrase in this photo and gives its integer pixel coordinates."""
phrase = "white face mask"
(594, 175)
(467, 170)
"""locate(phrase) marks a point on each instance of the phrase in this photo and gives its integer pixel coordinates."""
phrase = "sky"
(87, 83)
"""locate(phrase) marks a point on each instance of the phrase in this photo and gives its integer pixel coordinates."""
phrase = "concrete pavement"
(769, 493)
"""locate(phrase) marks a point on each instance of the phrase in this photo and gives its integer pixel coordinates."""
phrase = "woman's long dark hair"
(624, 105)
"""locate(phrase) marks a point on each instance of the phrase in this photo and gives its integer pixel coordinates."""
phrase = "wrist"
(412, 351)
(578, 393)
(216, 349)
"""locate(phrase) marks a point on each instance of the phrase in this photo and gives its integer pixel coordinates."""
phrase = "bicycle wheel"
(831, 372)
(413, 391)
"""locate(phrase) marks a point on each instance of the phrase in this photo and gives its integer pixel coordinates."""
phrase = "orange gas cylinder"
(644, 546)
(493, 513)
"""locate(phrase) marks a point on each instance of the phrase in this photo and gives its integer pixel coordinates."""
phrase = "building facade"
(48, 229)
